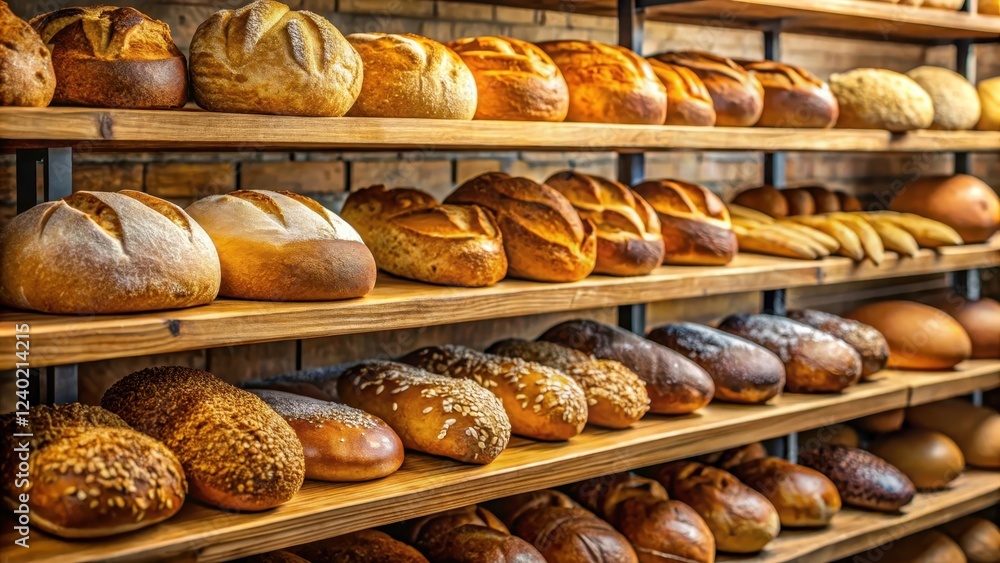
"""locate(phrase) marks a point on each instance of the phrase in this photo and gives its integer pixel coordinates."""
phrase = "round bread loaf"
(515, 80)
(407, 75)
(737, 95)
(980, 319)
(608, 83)
(803, 497)
(793, 97)
(862, 479)
(366, 546)
(824, 200)
(849, 202)
(978, 537)
(930, 459)
(273, 557)
(834, 435)
(956, 102)
(976, 430)
(867, 341)
(468, 535)
(237, 453)
(340, 443)
(800, 201)
(871, 98)
(989, 100)
(105, 56)
(688, 101)
(427, 533)
(964, 203)
(728, 459)
(100, 252)
(25, 64)
(766, 199)
(919, 336)
(929, 546)
(881, 422)
(280, 246)
(509, 509)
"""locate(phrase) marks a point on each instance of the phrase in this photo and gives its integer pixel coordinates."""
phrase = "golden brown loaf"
(515, 80)
(976, 430)
(803, 497)
(800, 201)
(408, 75)
(279, 556)
(237, 453)
(862, 478)
(629, 242)
(956, 102)
(541, 402)
(766, 199)
(366, 546)
(427, 532)
(102, 252)
(106, 56)
(980, 319)
(881, 422)
(872, 98)
(944, 4)
(824, 200)
(688, 101)
(737, 95)
(868, 341)
(543, 236)
(468, 535)
(608, 83)
(695, 223)
(281, 246)
(90, 474)
(930, 459)
(25, 64)
(991, 7)
(849, 202)
(964, 203)
(431, 413)
(266, 58)
(978, 537)
(834, 435)
(929, 546)
(340, 443)
(728, 459)
(793, 97)
(989, 99)
(919, 336)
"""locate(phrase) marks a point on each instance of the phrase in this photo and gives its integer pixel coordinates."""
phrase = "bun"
(834, 435)
(737, 95)
(930, 459)
(863, 479)
(824, 200)
(929, 546)
(742, 371)
(106, 252)
(281, 246)
(800, 201)
(608, 83)
(543, 235)
(865, 339)
(981, 320)
(237, 453)
(25, 63)
(629, 241)
(675, 384)
(974, 429)
(956, 102)
(766, 199)
(989, 99)
(978, 537)
(848, 202)
(104, 56)
(366, 546)
(695, 223)
(803, 497)
(919, 337)
(413, 236)
(469, 535)
(516, 80)
(872, 98)
(436, 414)
(793, 97)
(407, 75)
(964, 203)
(688, 101)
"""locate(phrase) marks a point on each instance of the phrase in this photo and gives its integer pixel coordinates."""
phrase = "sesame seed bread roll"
(237, 453)
(341, 443)
(541, 402)
(616, 397)
(431, 413)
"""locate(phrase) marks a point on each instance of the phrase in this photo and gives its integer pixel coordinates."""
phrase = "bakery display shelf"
(857, 531)
(972, 375)
(398, 304)
(427, 484)
(193, 129)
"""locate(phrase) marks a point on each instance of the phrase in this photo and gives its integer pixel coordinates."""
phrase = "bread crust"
(956, 101)
(737, 95)
(696, 226)
(25, 64)
(793, 97)
(869, 342)
(881, 99)
(919, 336)
(688, 101)
(862, 479)
(963, 202)
(365, 546)
(989, 100)
(930, 459)
(803, 497)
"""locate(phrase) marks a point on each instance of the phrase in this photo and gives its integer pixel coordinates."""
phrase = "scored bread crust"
(25, 64)
(688, 100)
(696, 226)
(793, 96)
(737, 95)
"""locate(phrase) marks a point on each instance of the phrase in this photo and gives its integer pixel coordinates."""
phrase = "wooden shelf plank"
(856, 531)
(194, 129)
(973, 375)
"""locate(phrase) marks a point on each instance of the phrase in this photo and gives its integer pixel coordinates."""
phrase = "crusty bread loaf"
(106, 253)
(106, 56)
(803, 497)
(616, 397)
(881, 422)
(730, 458)
(766, 199)
(978, 537)
(436, 414)
(608, 83)
(800, 201)
(695, 223)
(989, 100)
(793, 97)
(675, 384)
(956, 102)
(543, 236)
(237, 453)
(863, 479)
(366, 546)
(427, 532)
(815, 362)
(743, 371)
(980, 319)
(281, 246)
(25, 64)
(688, 101)
(849, 202)
(976, 430)
(629, 241)
(964, 203)
(279, 556)
(872, 98)
(340, 443)
(834, 435)
(929, 546)
(919, 336)
(930, 459)
(468, 535)
(825, 201)
(515, 80)
(868, 341)
(737, 95)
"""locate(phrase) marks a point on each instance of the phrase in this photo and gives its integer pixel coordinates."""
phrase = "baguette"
(826, 241)
(895, 238)
(870, 240)
(850, 243)
(773, 242)
(927, 232)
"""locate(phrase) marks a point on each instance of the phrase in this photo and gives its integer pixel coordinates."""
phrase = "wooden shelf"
(194, 129)
(927, 387)
(397, 304)
(856, 531)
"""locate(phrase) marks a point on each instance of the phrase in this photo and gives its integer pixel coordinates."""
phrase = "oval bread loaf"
(929, 546)
(956, 102)
(980, 319)
(365, 546)
(793, 97)
(737, 95)
(688, 101)
(862, 478)
(872, 98)
(963, 202)
(930, 459)
(919, 336)
(978, 537)
(868, 341)
(976, 430)
(803, 497)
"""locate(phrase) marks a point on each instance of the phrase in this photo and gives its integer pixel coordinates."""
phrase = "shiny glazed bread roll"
(862, 478)
(737, 95)
(688, 101)
(919, 336)
(978, 537)
(366, 546)
(929, 546)
(468, 535)
(976, 430)
(868, 341)
(930, 459)
(803, 497)
(766, 199)
(980, 319)
(963, 202)
(793, 97)
(25, 63)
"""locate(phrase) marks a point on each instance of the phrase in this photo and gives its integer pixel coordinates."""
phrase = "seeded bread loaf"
(956, 102)
(803, 497)
(872, 98)
(863, 479)
(25, 64)
(793, 97)
(865, 339)
(688, 101)
(366, 546)
(737, 95)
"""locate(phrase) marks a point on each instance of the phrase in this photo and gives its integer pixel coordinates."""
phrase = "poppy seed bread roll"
(862, 478)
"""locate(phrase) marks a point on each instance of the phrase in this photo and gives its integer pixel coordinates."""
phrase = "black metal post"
(774, 162)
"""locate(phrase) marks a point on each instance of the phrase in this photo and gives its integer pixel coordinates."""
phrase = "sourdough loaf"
(737, 95)
(468, 535)
(865, 339)
(956, 102)
(25, 64)
(695, 223)
(872, 98)
(793, 97)
(688, 101)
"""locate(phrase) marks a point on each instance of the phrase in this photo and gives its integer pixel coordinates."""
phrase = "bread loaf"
(834, 435)
(408, 75)
(366, 546)
(803, 497)
(106, 253)
(541, 402)
(608, 83)
(978, 537)
(675, 384)
(25, 63)
(991, 7)
(431, 413)
(468, 535)
(340, 443)
(825, 201)
(766, 199)
(793, 97)
(413, 236)
(862, 479)
(105, 56)
(280, 556)
(872, 98)
(237, 453)
(815, 362)
(743, 372)
(800, 201)
(849, 202)
(281, 246)
(865, 339)
(929, 546)
(515, 80)
(881, 422)
(964, 203)
(956, 102)
(543, 236)
(944, 4)
(980, 319)
(989, 99)
(629, 241)
(737, 95)
(930, 459)
(688, 101)
(616, 397)
(919, 336)
(695, 223)
(730, 458)
(976, 430)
